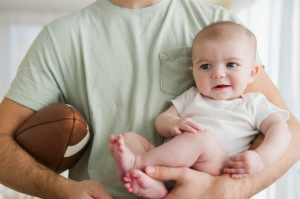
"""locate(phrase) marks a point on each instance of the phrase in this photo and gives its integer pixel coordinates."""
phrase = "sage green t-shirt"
(119, 67)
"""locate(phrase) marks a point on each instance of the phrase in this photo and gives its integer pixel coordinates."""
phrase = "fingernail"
(150, 170)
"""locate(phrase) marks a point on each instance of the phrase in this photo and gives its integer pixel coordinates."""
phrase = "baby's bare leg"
(200, 151)
(214, 157)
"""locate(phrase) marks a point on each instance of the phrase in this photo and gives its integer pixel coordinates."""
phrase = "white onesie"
(234, 122)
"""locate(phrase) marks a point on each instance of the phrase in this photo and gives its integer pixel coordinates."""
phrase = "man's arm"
(264, 85)
(193, 184)
(20, 171)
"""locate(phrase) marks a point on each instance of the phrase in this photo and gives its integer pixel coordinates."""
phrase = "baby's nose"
(218, 73)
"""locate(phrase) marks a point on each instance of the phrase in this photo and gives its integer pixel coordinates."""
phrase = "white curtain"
(276, 23)
(18, 28)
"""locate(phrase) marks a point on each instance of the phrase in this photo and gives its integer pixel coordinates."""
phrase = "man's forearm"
(20, 171)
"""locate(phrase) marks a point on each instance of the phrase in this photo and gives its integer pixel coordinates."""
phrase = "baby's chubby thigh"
(213, 158)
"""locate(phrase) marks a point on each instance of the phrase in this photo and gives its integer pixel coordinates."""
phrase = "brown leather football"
(56, 136)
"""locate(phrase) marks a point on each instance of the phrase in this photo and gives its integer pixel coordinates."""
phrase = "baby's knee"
(212, 147)
(212, 143)
(205, 137)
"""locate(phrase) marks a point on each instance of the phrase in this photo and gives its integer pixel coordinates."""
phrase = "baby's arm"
(169, 123)
(275, 143)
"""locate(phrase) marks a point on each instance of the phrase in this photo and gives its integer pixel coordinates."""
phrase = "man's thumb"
(163, 173)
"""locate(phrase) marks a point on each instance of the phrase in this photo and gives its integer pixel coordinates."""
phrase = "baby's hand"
(182, 125)
(245, 164)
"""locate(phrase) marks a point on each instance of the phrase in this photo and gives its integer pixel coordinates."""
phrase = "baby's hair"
(225, 29)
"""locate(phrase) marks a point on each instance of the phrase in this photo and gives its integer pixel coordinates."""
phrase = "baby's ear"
(254, 73)
(191, 69)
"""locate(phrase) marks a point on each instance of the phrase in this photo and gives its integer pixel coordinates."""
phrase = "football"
(56, 136)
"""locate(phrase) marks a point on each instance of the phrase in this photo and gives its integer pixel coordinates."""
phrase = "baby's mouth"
(221, 86)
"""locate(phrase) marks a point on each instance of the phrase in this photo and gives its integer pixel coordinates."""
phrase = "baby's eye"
(205, 66)
(231, 64)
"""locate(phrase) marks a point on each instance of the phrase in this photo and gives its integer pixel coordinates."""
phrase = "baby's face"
(222, 69)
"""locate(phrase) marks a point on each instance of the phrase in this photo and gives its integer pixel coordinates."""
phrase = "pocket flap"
(175, 76)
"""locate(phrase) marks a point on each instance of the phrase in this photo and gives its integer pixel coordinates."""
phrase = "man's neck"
(134, 4)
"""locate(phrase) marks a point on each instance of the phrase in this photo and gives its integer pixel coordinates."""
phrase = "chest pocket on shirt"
(175, 76)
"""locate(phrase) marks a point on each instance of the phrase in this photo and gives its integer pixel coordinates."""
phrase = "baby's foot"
(141, 184)
(121, 153)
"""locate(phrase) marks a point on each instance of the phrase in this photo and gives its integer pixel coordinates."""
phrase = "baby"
(209, 128)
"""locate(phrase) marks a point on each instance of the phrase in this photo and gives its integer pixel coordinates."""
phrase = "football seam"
(75, 110)
(17, 133)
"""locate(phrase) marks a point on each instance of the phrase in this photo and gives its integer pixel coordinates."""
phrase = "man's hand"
(87, 189)
(194, 184)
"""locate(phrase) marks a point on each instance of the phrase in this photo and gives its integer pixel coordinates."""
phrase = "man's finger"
(164, 173)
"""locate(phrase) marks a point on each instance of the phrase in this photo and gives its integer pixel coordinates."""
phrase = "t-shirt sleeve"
(262, 108)
(35, 84)
(181, 101)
